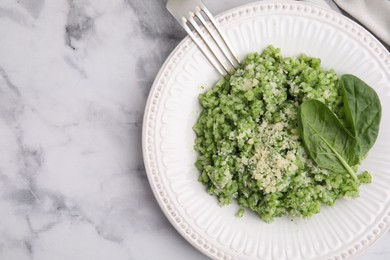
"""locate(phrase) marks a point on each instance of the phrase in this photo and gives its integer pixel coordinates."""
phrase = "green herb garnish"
(332, 145)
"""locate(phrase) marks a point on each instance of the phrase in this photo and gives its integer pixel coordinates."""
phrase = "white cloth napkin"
(373, 14)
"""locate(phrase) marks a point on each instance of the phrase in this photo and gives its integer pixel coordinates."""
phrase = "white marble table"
(74, 78)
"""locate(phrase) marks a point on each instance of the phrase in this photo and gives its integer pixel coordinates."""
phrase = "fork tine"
(199, 15)
(222, 70)
(214, 23)
(193, 16)
(193, 23)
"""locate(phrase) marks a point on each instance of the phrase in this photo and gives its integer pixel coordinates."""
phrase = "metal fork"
(195, 14)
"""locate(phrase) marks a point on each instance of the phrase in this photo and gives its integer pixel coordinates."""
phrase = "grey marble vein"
(34, 7)
(14, 14)
(8, 82)
(78, 24)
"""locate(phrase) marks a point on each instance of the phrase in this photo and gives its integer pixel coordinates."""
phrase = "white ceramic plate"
(342, 231)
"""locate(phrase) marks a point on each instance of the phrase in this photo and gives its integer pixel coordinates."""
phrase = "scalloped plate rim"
(168, 61)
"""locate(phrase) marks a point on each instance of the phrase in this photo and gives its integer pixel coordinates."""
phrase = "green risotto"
(248, 144)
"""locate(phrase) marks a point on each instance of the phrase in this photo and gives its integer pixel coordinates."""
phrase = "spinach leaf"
(362, 110)
(330, 145)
